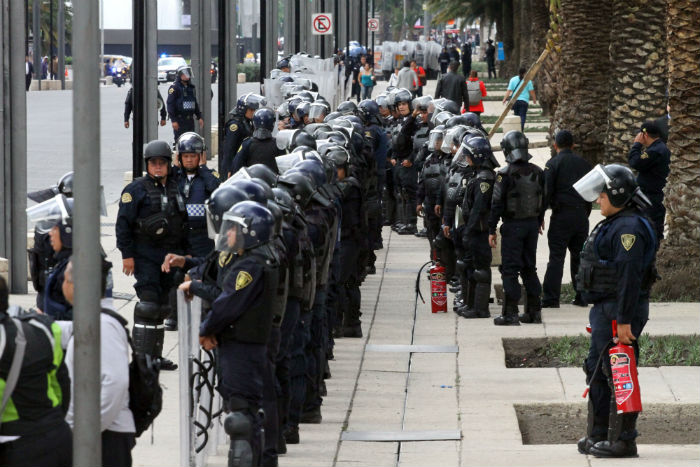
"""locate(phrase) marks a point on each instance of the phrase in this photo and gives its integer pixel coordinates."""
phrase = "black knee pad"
(482, 275)
(147, 312)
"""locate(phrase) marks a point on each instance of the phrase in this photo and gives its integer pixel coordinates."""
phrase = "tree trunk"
(513, 62)
(638, 73)
(680, 251)
(545, 81)
(527, 57)
(506, 35)
(585, 74)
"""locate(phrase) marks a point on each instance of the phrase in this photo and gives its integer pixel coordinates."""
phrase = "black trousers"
(568, 229)
(116, 448)
(518, 257)
(53, 448)
(477, 252)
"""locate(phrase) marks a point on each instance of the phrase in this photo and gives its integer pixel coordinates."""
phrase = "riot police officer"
(239, 324)
(403, 159)
(196, 183)
(476, 207)
(260, 148)
(152, 221)
(430, 189)
(518, 199)
(182, 103)
(616, 273)
(239, 127)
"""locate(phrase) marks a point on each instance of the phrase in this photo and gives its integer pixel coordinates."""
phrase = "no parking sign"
(322, 24)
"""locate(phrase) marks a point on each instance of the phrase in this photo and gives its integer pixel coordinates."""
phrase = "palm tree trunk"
(507, 35)
(585, 73)
(527, 57)
(638, 74)
(545, 81)
(680, 251)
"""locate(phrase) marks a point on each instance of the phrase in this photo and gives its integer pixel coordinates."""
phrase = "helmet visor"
(48, 214)
(317, 111)
(286, 161)
(241, 174)
(285, 138)
(212, 225)
(186, 72)
(449, 141)
(591, 185)
(231, 239)
(435, 140)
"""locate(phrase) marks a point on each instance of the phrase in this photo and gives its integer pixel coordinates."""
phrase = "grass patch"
(536, 118)
(535, 129)
(570, 351)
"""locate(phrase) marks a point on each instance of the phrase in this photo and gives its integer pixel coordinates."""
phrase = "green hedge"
(251, 70)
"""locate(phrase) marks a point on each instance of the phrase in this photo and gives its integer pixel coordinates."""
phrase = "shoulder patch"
(368, 134)
(645, 155)
(233, 127)
(243, 279)
(499, 178)
(628, 241)
(215, 173)
(484, 187)
(171, 90)
(126, 198)
(224, 258)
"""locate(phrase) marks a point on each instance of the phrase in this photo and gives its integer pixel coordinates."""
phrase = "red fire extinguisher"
(623, 364)
(438, 288)
(624, 374)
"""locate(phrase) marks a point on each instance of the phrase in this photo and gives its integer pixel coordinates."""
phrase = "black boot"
(311, 416)
(619, 448)
(352, 331)
(468, 304)
(508, 316)
(596, 430)
(291, 435)
(533, 311)
(482, 292)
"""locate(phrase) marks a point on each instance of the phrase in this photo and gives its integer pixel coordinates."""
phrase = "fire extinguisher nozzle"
(585, 393)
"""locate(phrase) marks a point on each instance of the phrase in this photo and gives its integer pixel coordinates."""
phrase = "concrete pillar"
(201, 62)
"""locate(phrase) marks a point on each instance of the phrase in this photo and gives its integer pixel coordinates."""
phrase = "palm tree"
(638, 75)
(545, 33)
(583, 85)
(680, 251)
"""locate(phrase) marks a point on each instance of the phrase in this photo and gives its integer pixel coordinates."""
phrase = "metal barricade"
(201, 429)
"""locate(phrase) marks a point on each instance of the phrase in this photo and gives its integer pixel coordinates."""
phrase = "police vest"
(52, 307)
(278, 251)
(186, 102)
(482, 182)
(598, 278)
(166, 221)
(433, 177)
(524, 199)
(421, 137)
(254, 325)
(195, 194)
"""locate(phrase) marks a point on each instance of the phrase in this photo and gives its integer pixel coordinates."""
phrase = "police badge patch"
(224, 258)
(233, 127)
(498, 179)
(126, 198)
(484, 186)
(243, 279)
(644, 155)
(628, 241)
(171, 90)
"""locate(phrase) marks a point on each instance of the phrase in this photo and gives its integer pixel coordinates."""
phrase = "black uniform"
(652, 166)
(491, 59)
(129, 105)
(152, 222)
(406, 178)
(431, 193)
(568, 226)
(37, 407)
(196, 189)
(351, 233)
(257, 151)
(238, 128)
(183, 106)
(467, 60)
(518, 199)
(616, 274)
(444, 60)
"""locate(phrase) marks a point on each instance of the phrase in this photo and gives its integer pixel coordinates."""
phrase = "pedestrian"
(239, 324)
(453, 86)
(152, 222)
(367, 81)
(454, 53)
(129, 106)
(28, 71)
(444, 60)
(518, 199)
(408, 79)
(420, 72)
(182, 103)
(467, 59)
(523, 99)
(568, 225)
(616, 273)
(490, 55)
(240, 126)
(261, 147)
(116, 420)
(37, 387)
(477, 91)
(44, 67)
(650, 157)
(393, 79)
(54, 67)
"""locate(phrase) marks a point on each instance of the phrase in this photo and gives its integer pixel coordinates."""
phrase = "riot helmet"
(298, 185)
(285, 202)
(263, 172)
(514, 145)
(245, 226)
(478, 149)
(435, 138)
(318, 111)
(218, 203)
(441, 118)
(277, 214)
(446, 105)
(617, 181)
(332, 116)
(263, 123)
(255, 191)
(301, 111)
(184, 71)
(368, 111)
(403, 96)
(267, 189)
(302, 138)
(347, 108)
(312, 168)
(65, 184)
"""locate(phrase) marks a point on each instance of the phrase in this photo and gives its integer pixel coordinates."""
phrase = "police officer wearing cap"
(182, 103)
(650, 157)
(196, 183)
(239, 127)
(616, 273)
(239, 324)
(518, 198)
(568, 226)
(261, 147)
(152, 221)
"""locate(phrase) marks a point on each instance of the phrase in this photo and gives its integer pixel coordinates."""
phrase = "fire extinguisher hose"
(418, 293)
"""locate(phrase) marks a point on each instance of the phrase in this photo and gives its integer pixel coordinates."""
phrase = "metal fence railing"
(201, 425)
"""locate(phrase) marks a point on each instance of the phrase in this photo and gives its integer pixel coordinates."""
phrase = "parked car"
(167, 67)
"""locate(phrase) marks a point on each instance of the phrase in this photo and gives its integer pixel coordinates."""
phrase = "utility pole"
(87, 445)
(228, 64)
(62, 42)
(138, 75)
(201, 62)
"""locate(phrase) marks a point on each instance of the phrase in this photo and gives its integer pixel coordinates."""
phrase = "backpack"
(474, 90)
(145, 393)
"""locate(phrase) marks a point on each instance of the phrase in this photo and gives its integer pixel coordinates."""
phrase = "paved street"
(50, 136)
